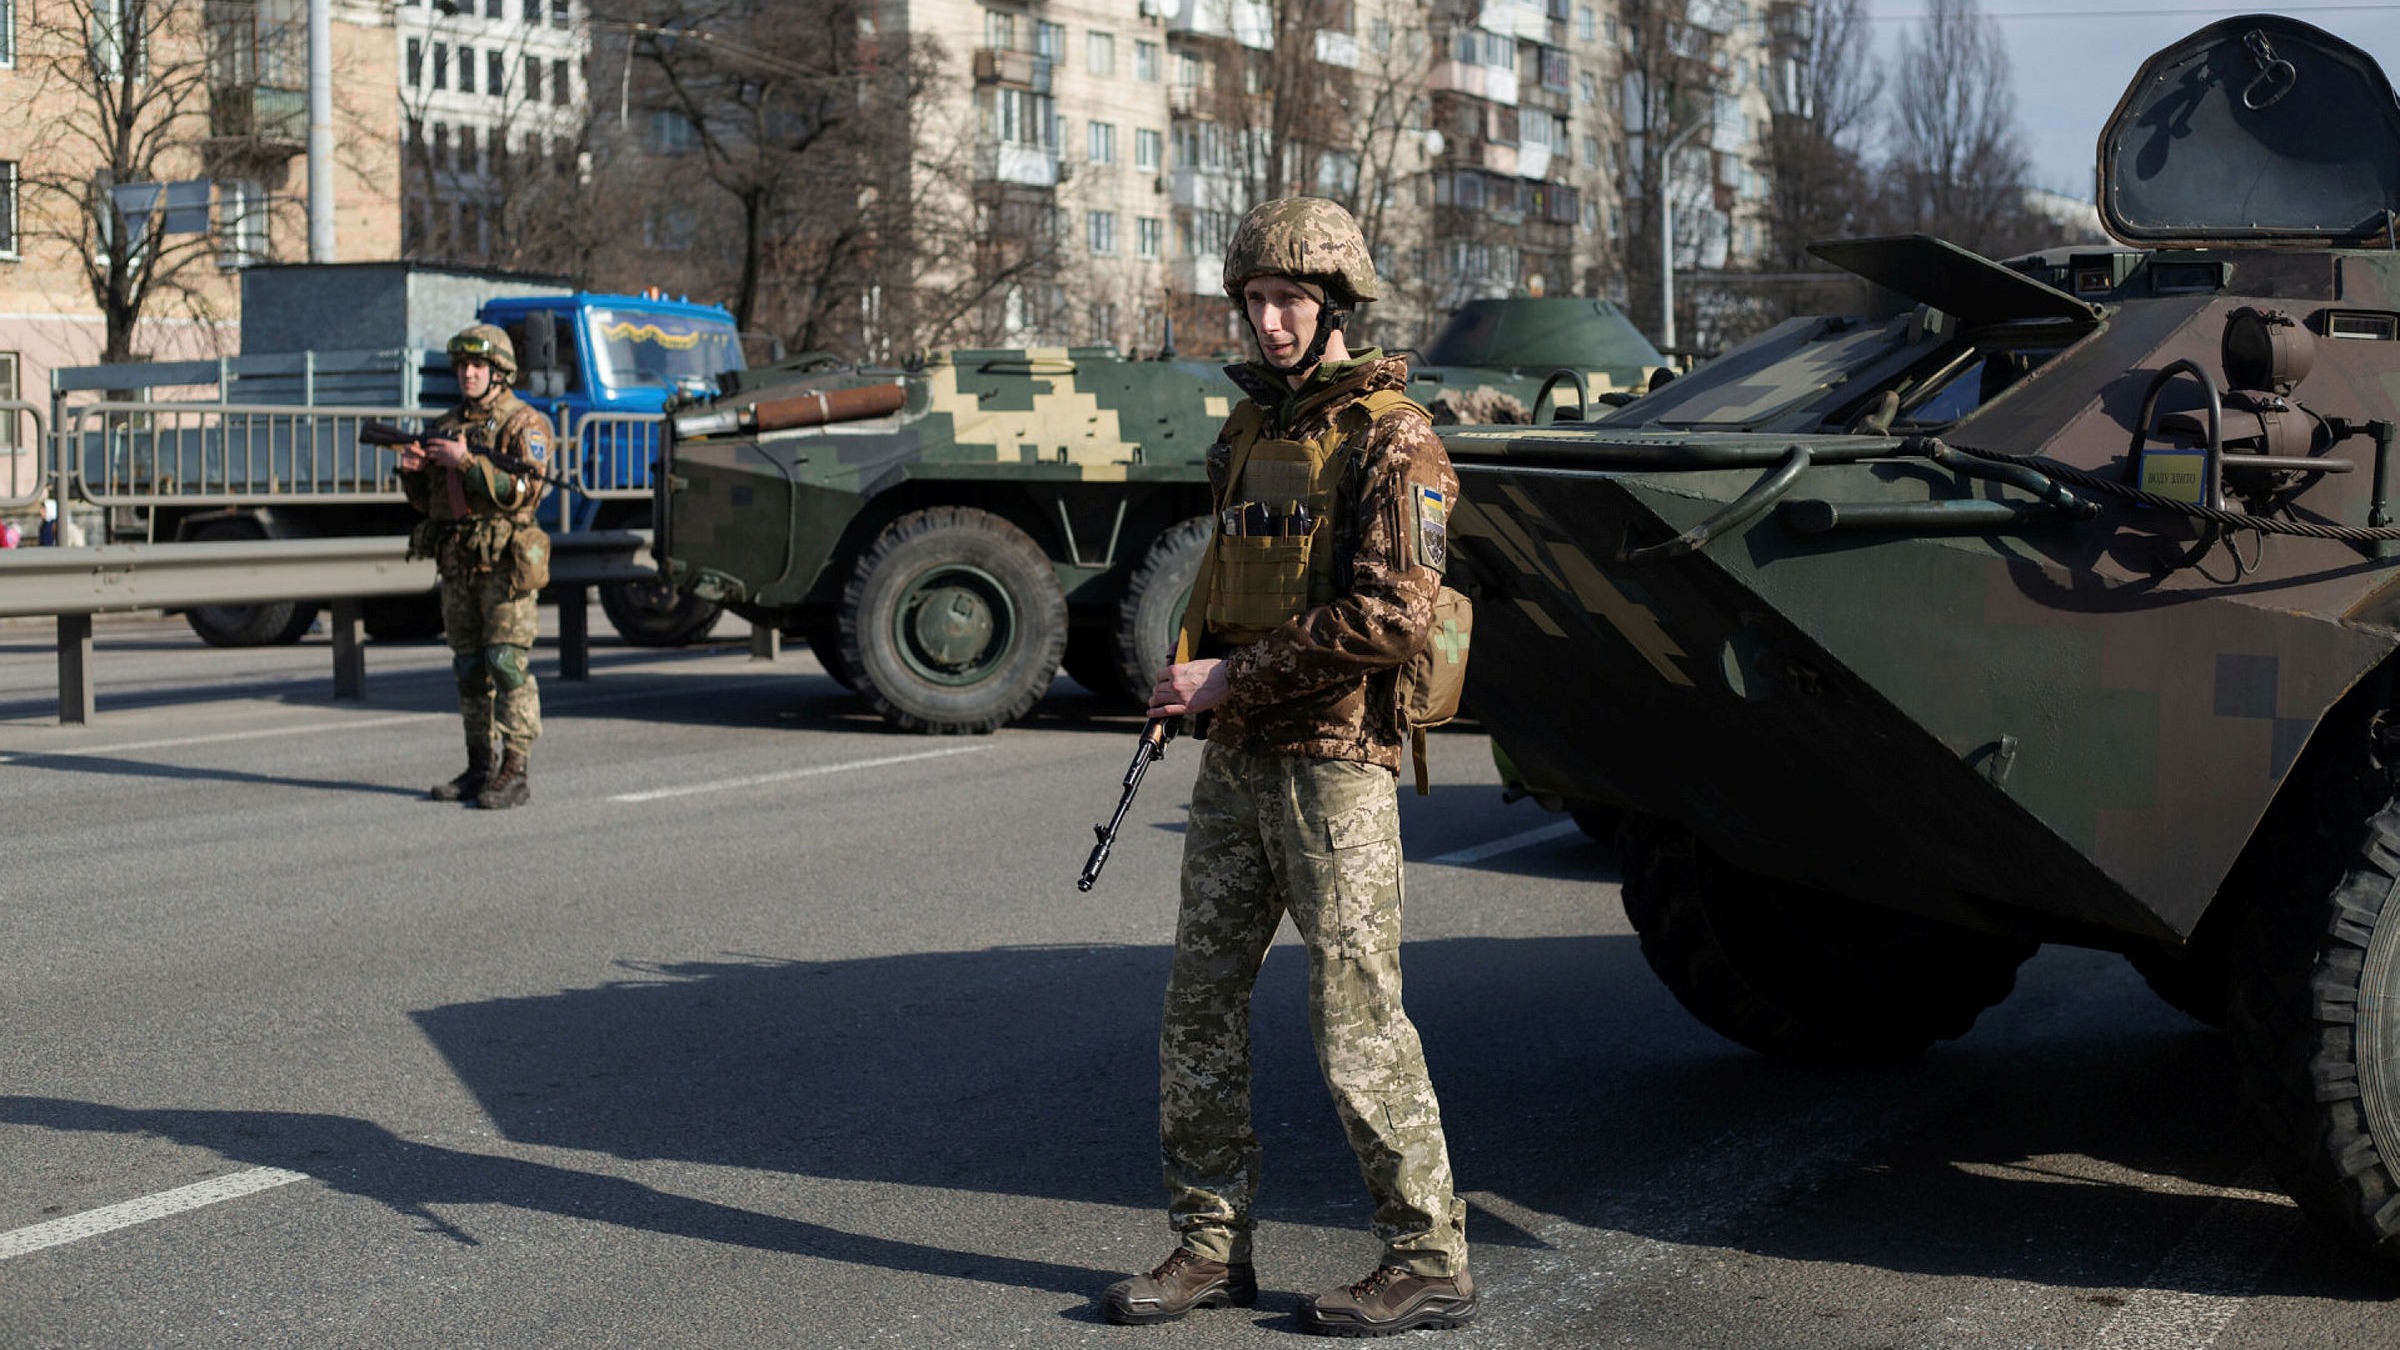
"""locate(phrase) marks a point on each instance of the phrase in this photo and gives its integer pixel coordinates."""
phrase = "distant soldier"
(1332, 499)
(477, 477)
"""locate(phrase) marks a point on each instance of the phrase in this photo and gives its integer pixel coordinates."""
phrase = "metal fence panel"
(24, 455)
(613, 454)
(160, 454)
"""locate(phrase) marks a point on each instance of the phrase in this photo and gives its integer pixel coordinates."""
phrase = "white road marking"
(93, 1222)
(262, 732)
(1508, 844)
(725, 785)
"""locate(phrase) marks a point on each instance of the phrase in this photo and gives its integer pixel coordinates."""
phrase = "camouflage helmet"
(1303, 237)
(487, 343)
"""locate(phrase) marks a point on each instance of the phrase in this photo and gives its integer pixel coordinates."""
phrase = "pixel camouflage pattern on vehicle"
(944, 537)
(2058, 609)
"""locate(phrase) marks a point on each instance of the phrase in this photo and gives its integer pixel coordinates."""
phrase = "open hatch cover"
(2259, 129)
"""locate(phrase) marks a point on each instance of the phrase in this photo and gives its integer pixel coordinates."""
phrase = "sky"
(2072, 61)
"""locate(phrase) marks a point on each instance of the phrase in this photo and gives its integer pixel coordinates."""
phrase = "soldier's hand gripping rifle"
(390, 435)
(1153, 746)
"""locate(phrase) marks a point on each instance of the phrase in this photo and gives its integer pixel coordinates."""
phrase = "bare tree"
(1668, 92)
(1956, 165)
(1824, 93)
(128, 80)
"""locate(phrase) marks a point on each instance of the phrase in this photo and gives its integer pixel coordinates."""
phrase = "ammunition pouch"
(518, 549)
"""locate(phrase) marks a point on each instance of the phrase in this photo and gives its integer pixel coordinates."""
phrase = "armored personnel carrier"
(2056, 606)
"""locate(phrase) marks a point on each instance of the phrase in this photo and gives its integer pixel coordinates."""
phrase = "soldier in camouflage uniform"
(477, 477)
(1332, 498)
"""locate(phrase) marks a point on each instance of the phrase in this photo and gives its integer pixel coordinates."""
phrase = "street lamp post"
(1666, 234)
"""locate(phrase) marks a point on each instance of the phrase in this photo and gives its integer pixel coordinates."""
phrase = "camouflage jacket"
(480, 518)
(1324, 684)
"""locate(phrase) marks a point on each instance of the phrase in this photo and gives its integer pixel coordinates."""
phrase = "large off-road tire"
(2315, 1016)
(1152, 609)
(953, 622)
(275, 624)
(1801, 973)
(652, 613)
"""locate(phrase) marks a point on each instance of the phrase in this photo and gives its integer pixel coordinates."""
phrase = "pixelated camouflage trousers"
(491, 630)
(1321, 840)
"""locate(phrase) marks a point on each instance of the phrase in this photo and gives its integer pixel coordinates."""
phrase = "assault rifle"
(1153, 746)
(390, 435)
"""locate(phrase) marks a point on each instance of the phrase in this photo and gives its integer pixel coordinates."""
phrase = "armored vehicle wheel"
(1802, 973)
(953, 622)
(651, 613)
(1091, 661)
(1153, 605)
(2315, 1023)
(274, 624)
(825, 643)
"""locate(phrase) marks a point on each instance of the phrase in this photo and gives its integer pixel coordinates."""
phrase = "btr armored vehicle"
(944, 536)
(2057, 605)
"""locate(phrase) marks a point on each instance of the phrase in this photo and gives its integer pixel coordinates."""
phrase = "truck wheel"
(651, 613)
(953, 622)
(1153, 605)
(275, 624)
(2315, 1025)
(1801, 973)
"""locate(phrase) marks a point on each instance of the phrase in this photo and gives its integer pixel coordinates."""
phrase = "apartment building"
(220, 103)
(493, 102)
(1492, 148)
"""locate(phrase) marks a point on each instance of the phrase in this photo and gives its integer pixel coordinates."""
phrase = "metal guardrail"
(613, 452)
(76, 583)
(114, 453)
(25, 480)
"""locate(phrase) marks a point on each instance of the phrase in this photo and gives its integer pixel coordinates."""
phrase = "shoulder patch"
(1433, 525)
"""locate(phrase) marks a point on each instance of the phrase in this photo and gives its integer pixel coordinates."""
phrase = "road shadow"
(1572, 1087)
(111, 766)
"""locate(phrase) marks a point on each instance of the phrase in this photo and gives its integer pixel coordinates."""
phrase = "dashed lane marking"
(1508, 844)
(93, 1222)
(814, 770)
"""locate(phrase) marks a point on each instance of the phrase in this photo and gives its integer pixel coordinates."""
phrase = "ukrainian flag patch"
(1433, 526)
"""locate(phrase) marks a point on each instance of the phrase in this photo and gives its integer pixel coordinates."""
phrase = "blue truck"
(264, 445)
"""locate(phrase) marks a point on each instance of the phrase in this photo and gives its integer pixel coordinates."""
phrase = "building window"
(1027, 118)
(1100, 53)
(999, 30)
(8, 390)
(1101, 143)
(469, 160)
(1146, 145)
(533, 79)
(466, 70)
(558, 13)
(441, 145)
(1187, 71)
(669, 228)
(1149, 235)
(1587, 24)
(1591, 152)
(8, 208)
(672, 133)
(1100, 230)
(120, 42)
(533, 12)
(558, 83)
(1145, 61)
(8, 50)
(1049, 40)
(495, 72)
(241, 222)
(416, 61)
(495, 9)
(441, 65)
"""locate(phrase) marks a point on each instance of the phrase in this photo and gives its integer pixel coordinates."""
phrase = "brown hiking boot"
(1391, 1301)
(465, 787)
(508, 787)
(1184, 1281)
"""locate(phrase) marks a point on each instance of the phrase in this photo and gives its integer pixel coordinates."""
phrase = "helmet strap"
(1330, 318)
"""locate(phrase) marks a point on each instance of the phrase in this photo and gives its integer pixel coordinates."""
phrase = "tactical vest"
(1270, 555)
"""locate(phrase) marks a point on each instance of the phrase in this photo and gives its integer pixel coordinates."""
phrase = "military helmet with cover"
(488, 343)
(1308, 238)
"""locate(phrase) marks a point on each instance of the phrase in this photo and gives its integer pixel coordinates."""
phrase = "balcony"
(1197, 274)
(1337, 49)
(1248, 22)
(1484, 82)
(1021, 70)
(267, 120)
(1024, 165)
(1203, 189)
(1526, 19)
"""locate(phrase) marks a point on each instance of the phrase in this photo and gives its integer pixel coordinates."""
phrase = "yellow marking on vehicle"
(1628, 616)
(1541, 617)
(1216, 405)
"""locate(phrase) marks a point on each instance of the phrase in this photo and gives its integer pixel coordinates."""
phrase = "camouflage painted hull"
(1983, 728)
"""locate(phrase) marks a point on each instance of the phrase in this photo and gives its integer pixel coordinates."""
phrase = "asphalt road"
(765, 1025)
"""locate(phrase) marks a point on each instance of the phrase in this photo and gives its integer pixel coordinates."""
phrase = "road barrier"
(76, 583)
